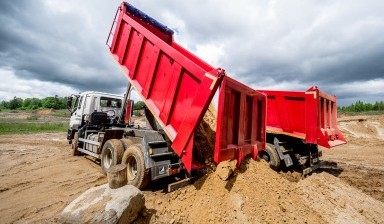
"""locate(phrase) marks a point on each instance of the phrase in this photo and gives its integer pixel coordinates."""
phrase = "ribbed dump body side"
(309, 115)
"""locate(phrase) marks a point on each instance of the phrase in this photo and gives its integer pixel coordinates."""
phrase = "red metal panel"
(310, 115)
(176, 85)
(240, 128)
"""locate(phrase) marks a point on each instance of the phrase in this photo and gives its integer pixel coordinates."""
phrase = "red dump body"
(310, 115)
(178, 87)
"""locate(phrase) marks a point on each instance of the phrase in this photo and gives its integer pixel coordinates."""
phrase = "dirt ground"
(39, 177)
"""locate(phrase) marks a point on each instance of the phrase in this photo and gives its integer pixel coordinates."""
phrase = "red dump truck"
(297, 123)
(177, 88)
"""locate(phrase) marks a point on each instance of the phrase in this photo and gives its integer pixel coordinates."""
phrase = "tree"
(32, 103)
(15, 103)
(36, 103)
(54, 102)
(139, 105)
(4, 104)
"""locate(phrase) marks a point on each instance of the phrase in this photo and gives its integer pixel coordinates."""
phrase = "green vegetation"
(360, 106)
(21, 128)
(139, 105)
(21, 122)
(34, 103)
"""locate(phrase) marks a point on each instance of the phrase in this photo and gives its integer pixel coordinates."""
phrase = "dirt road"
(360, 162)
(39, 178)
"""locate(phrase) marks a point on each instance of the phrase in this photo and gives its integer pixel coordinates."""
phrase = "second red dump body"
(178, 87)
(309, 115)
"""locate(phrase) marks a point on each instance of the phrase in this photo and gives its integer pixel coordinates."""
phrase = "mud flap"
(311, 169)
(287, 158)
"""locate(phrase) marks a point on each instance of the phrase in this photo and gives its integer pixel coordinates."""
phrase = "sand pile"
(255, 194)
(45, 111)
(362, 127)
(205, 137)
(338, 202)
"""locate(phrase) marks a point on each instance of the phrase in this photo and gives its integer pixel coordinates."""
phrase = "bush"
(139, 105)
(16, 103)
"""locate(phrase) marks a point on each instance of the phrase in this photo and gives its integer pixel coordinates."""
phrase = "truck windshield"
(110, 102)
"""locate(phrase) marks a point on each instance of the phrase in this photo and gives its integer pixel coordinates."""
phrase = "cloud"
(11, 86)
(61, 42)
(265, 44)
(287, 45)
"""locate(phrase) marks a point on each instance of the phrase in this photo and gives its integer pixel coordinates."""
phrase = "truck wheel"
(137, 175)
(111, 154)
(75, 144)
(126, 143)
(271, 156)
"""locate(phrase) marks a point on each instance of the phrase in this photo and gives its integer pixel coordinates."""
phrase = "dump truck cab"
(84, 104)
(101, 126)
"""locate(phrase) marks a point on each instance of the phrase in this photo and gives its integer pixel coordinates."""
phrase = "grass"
(31, 122)
(361, 113)
(22, 128)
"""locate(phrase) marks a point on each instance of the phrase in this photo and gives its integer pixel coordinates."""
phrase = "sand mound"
(338, 202)
(255, 194)
(45, 112)
(360, 127)
(205, 137)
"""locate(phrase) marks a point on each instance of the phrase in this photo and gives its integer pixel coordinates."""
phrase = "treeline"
(360, 106)
(52, 102)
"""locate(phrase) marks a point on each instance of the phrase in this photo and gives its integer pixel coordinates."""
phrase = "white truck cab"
(87, 102)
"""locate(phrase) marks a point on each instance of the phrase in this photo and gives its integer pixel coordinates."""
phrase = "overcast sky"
(50, 47)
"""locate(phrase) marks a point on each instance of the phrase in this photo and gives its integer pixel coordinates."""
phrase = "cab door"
(77, 113)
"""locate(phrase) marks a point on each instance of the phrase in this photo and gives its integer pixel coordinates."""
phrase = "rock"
(105, 205)
(225, 169)
(117, 176)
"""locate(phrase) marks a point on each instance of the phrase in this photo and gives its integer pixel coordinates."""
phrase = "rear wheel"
(75, 144)
(126, 143)
(137, 175)
(111, 154)
(270, 155)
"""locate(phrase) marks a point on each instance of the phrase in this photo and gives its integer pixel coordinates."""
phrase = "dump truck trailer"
(298, 123)
(177, 88)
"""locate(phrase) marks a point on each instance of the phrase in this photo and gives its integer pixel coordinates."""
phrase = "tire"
(126, 143)
(111, 154)
(271, 157)
(137, 175)
(75, 144)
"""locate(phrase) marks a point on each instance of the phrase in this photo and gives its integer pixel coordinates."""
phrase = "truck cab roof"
(95, 93)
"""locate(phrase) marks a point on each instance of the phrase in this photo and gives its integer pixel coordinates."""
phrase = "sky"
(51, 47)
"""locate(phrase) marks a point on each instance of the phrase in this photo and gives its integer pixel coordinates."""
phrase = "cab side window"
(80, 102)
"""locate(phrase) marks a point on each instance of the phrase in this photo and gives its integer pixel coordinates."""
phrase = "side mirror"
(69, 103)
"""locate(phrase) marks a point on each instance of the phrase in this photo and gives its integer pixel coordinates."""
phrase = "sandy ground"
(360, 162)
(39, 178)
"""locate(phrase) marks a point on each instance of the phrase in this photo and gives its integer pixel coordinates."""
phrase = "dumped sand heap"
(205, 137)
(257, 194)
(254, 194)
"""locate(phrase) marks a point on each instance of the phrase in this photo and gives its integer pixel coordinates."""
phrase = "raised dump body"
(309, 115)
(178, 87)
